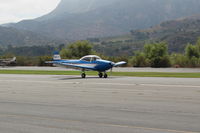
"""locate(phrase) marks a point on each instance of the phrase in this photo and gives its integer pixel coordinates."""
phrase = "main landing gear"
(83, 75)
(101, 75)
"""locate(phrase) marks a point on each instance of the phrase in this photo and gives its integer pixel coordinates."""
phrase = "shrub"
(140, 60)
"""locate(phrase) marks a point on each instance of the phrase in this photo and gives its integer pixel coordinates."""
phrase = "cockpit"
(90, 58)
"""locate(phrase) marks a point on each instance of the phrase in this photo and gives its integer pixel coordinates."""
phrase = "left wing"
(76, 66)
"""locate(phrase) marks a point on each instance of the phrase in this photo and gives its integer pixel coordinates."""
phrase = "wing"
(119, 63)
(76, 66)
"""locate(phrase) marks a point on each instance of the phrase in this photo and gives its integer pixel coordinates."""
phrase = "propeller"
(112, 64)
(111, 70)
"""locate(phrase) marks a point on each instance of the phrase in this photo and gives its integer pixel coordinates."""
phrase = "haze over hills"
(177, 33)
(75, 7)
(81, 19)
(15, 37)
(148, 21)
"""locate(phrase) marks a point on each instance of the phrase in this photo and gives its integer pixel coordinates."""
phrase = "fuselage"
(87, 63)
(96, 65)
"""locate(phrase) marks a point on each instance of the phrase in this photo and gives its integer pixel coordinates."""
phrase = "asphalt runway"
(69, 104)
(116, 69)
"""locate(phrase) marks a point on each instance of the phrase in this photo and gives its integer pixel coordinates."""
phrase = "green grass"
(131, 74)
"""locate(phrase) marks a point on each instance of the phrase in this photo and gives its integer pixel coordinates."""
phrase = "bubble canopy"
(90, 58)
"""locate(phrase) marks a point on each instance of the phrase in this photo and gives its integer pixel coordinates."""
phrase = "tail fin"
(56, 56)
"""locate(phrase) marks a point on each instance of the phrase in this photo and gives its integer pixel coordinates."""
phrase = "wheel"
(83, 75)
(105, 75)
(100, 75)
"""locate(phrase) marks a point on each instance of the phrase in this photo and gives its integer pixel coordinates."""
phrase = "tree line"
(157, 55)
(152, 55)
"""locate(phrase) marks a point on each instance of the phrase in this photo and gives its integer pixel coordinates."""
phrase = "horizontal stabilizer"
(49, 62)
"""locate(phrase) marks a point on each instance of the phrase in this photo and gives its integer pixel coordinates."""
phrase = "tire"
(100, 75)
(105, 75)
(83, 75)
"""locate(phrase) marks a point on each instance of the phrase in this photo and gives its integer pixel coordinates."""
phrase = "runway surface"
(116, 69)
(68, 104)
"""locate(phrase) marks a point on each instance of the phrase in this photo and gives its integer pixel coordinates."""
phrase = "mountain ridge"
(107, 19)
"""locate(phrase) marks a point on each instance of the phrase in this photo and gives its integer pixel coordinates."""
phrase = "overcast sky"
(16, 10)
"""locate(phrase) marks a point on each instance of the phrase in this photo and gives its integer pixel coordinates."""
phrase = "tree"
(43, 59)
(157, 53)
(198, 45)
(192, 51)
(77, 50)
(26, 61)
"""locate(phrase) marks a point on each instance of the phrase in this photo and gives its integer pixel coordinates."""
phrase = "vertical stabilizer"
(56, 56)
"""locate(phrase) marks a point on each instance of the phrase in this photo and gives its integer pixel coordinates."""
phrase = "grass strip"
(130, 74)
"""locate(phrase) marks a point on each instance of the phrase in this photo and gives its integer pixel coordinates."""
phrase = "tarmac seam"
(118, 84)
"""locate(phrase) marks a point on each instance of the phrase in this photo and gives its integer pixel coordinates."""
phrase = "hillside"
(81, 19)
(177, 33)
(14, 37)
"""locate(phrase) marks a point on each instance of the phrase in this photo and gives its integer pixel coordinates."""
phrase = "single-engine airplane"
(6, 62)
(87, 63)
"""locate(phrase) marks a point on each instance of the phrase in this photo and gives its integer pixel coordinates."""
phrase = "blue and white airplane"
(87, 63)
